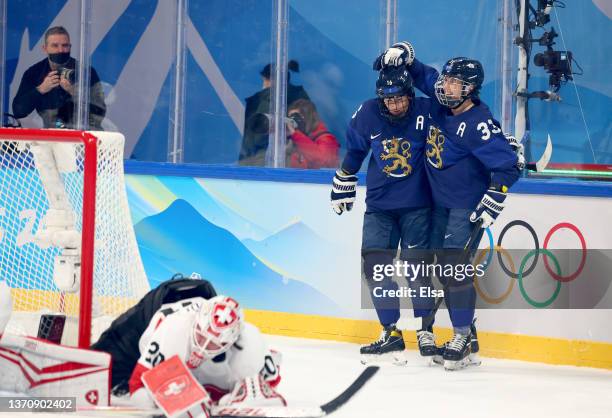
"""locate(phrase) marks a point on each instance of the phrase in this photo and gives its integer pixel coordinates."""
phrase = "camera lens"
(299, 120)
(68, 74)
(540, 60)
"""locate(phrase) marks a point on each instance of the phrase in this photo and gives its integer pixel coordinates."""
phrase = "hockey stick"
(298, 412)
(429, 319)
(538, 166)
(120, 410)
(245, 412)
(541, 164)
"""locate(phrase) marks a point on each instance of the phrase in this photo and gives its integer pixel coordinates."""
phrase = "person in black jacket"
(50, 86)
(255, 144)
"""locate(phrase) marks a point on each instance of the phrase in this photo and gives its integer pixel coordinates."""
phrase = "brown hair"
(56, 30)
(308, 110)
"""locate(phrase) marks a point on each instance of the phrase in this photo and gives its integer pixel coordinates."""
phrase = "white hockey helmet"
(217, 327)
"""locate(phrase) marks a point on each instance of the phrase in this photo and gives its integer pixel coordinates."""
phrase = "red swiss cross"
(92, 397)
(224, 314)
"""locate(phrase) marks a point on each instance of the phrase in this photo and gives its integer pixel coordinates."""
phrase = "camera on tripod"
(542, 13)
(556, 63)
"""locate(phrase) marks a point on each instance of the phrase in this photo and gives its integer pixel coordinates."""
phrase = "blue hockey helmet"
(393, 82)
(468, 72)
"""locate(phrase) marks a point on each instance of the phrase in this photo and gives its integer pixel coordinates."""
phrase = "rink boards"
(270, 239)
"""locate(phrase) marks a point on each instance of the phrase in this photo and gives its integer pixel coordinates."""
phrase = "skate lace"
(458, 342)
(425, 338)
(383, 336)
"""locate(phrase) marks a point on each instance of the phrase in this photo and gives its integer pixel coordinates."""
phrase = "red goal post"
(67, 243)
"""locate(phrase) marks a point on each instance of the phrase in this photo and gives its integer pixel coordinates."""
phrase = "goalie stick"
(299, 412)
(265, 412)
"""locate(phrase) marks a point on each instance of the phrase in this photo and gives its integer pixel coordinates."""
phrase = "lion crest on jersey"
(435, 146)
(396, 152)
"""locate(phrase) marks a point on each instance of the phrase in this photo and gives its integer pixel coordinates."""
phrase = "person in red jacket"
(311, 145)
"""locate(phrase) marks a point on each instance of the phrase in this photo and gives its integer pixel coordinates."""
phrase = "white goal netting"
(46, 203)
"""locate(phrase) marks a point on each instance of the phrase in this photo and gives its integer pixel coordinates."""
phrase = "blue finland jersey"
(465, 153)
(396, 175)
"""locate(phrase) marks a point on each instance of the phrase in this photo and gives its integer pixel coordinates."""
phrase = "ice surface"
(315, 371)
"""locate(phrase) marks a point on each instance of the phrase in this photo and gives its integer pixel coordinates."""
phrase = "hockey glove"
(490, 206)
(343, 192)
(252, 392)
(519, 150)
(400, 53)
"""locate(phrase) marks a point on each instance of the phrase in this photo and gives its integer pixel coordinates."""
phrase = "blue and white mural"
(274, 256)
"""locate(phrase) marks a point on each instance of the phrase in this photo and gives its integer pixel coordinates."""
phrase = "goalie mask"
(216, 328)
(394, 90)
(461, 79)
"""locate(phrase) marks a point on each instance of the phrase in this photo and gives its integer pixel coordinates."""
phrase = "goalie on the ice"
(225, 354)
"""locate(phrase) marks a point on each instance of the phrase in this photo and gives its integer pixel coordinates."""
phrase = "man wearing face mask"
(50, 86)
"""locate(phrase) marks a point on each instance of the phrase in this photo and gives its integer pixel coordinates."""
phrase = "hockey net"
(67, 244)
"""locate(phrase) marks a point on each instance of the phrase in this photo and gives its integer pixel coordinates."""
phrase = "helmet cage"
(394, 93)
(450, 100)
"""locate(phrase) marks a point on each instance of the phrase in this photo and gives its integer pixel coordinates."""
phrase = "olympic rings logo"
(523, 270)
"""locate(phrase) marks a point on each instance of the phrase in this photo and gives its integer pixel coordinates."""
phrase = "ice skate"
(427, 345)
(457, 352)
(389, 347)
(474, 358)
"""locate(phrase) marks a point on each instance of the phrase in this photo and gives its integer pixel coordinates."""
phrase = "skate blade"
(425, 360)
(450, 365)
(473, 360)
(429, 361)
(397, 358)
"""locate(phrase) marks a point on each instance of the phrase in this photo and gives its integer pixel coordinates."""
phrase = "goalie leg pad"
(39, 368)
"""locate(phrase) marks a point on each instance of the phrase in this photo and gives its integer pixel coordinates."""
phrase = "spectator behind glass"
(49, 86)
(311, 145)
(254, 144)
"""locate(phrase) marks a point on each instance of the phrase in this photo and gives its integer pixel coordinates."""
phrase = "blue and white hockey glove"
(519, 150)
(400, 53)
(490, 206)
(343, 192)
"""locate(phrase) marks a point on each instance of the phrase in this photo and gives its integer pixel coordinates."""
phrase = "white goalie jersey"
(170, 332)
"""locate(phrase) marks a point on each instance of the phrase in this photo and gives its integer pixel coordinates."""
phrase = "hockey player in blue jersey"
(470, 166)
(394, 128)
